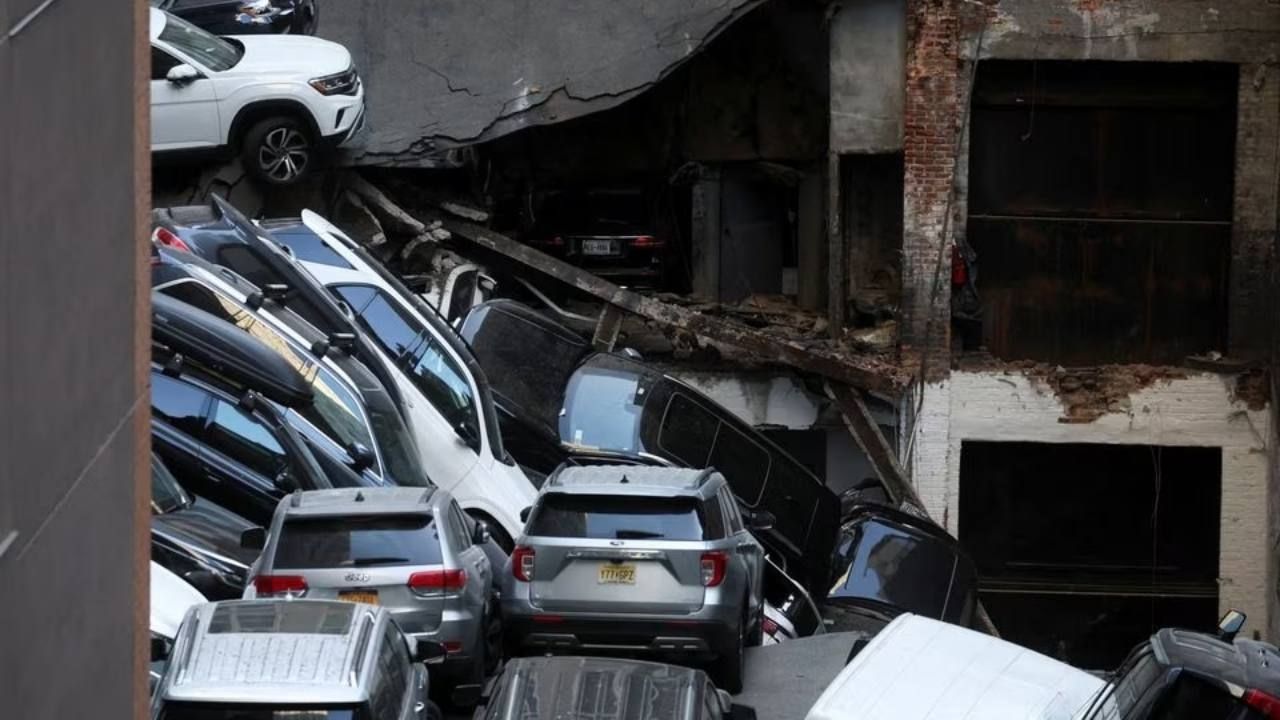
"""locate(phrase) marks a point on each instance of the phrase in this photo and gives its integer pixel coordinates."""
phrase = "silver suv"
(411, 550)
(305, 658)
(620, 557)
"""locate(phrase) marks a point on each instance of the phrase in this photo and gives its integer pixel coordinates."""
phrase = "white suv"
(274, 99)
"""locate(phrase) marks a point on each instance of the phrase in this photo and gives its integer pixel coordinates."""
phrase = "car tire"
(493, 644)
(433, 711)
(279, 150)
(729, 669)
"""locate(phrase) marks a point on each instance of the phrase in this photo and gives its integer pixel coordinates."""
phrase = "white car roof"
(171, 598)
(922, 669)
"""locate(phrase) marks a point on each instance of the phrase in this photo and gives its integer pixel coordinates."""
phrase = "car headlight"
(343, 83)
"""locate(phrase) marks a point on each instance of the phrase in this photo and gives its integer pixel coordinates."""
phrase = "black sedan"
(246, 17)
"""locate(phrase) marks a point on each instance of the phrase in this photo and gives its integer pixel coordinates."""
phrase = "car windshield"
(600, 410)
(355, 541)
(212, 52)
(613, 517)
(223, 711)
(885, 563)
(166, 494)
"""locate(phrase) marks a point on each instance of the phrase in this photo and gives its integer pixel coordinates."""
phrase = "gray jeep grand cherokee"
(641, 559)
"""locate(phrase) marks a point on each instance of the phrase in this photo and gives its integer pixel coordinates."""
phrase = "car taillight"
(770, 627)
(454, 579)
(1268, 705)
(713, 566)
(648, 241)
(168, 238)
(522, 564)
(280, 584)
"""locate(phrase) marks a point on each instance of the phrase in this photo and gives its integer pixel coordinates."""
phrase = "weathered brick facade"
(931, 124)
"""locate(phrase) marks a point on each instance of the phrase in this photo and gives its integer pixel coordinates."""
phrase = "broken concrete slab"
(358, 220)
(389, 215)
(444, 74)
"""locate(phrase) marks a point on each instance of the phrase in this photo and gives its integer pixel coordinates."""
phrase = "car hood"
(956, 674)
(171, 597)
(289, 55)
(208, 528)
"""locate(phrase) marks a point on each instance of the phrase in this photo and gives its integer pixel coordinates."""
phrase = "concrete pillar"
(812, 242)
(705, 235)
(1254, 214)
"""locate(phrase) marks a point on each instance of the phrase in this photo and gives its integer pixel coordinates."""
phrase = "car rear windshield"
(382, 540)
(617, 517)
(887, 563)
(220, 711)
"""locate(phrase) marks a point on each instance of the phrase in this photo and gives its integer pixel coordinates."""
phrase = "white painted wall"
(1197, 410)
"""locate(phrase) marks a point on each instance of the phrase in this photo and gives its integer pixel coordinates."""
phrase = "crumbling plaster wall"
(1198, 410)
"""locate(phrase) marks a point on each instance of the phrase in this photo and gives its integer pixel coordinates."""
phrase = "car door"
(178, 416)
(183, 115)
(437, 396)
(745, 545)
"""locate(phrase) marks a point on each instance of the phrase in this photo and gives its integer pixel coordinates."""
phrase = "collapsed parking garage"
(1036, 238)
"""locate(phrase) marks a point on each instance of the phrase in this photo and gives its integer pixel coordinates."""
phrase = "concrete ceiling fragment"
(444, 73)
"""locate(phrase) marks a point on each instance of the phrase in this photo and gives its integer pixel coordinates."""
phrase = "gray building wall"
(73, 476)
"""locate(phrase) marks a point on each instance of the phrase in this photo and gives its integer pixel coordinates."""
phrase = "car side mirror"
(1230, 624)
(160, 648)
(480, 534)
(762, 520)
(524, 514)
(255, 538)
(426, 650)
(182, 74)
(362, 457)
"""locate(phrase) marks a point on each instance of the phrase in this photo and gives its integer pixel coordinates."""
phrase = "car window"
(888, 564)
(310, 247)
(166, 494)
(688, 431)
(178, 403)
(742, 461)
(417, 352)
(600, 410)
(713, 518)
(242, 437)
(397, 447)
(617, 517)
(392, 682)
(209, 50)
(357, 541)
(731, 510)
(161, 63)
(337, 412)
(1191, 698)
(460, 535)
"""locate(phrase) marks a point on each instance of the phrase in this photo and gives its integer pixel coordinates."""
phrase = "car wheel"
(278, 151)
(729, 667)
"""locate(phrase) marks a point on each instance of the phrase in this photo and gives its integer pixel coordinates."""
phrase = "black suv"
(1185, 675)
(213, 419)
(574, 398)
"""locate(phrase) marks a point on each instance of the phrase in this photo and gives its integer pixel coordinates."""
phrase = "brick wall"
(930, 126)
(1254, 214)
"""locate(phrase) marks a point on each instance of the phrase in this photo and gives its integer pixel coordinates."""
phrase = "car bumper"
(702, 633)
(461, 627)
(345, 116)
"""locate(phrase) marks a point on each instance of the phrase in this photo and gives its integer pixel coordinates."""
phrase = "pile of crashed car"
(368, 490)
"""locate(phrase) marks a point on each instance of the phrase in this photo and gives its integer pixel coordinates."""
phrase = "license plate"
(611, 574)
(597, 247)
(369, 597)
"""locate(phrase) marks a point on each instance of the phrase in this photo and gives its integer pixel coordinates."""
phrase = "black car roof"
(1249, 664)
(227, 350)
(883, 513)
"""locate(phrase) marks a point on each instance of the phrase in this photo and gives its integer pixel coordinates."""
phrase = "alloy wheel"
(284, 154)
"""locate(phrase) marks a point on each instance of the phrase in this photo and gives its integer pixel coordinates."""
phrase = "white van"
(923, 669)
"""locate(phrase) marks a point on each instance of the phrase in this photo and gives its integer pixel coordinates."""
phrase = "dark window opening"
(1084, 550)
(1100, 205)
